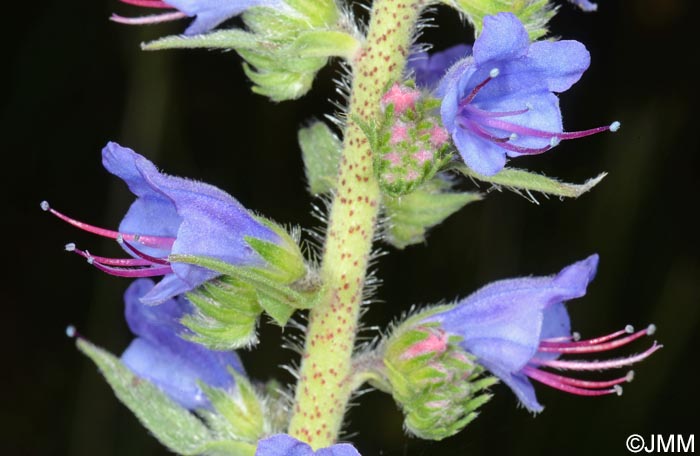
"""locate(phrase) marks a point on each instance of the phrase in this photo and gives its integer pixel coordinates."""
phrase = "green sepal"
(226, 314)
(175, 427)
(410, 216)
(318, 12)
(321, 151)
(527, 181)
(279, 85)
(241, 409)
(438, 385)
(279, 300)
(325, 43)
(534, 14)
(221, 39)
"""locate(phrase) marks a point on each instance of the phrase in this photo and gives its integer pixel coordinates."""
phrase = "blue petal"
(205, 220)
(283, 445)
(159, 349)
(503, 37)
(484, 157)
(170, 286)
(213, 224)
(286, 445)
(543, 115)
(585, 5)
(211, 13)
(340, 449)
(521, 386)
(157, 365)
(560, 63)
(429, 69)
(502, 323)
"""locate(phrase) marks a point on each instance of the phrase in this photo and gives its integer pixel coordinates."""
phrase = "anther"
(576, 336)
(618, 390)
(615, 126)
(629, 329)
(494, 72)
(45, 206)
(71, 331)
(651, 329)
(70, 247)
(630, 376)
(513, 136)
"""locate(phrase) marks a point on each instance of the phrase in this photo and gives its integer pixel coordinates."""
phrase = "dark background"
(77, 81)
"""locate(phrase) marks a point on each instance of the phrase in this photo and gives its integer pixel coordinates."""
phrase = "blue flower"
(285, 445)
(585, 5)
(515, 328)
(208, 13)
(172, 215)
(428, 69)
(160, 355)
(500, 101)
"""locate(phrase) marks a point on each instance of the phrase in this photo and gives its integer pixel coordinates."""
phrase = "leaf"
(321, 150)
(174, 426)
(518, 179)
(411, 215)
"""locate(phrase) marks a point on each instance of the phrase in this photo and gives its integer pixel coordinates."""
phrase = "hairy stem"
(325, 384)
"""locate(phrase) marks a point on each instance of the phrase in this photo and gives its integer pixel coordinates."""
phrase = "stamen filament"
(134, 272)
(124, 262)
(595, 365)
(588, 384)
(141, 254)
(148, 3)
(150, 241)
(476, 128)
(153, 19)
(579, 347)
(477, 89)
(526, 131)
(552, 381)
(567, 341)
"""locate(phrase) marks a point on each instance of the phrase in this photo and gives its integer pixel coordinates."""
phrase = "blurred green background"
(76, 81)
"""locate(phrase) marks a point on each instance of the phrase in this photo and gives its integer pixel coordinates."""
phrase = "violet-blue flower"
(585, 5)
(160, 355)
(208, 13)
(172, 215)
(428, 69)
(500, 101)
(286, 445)
(517, 328)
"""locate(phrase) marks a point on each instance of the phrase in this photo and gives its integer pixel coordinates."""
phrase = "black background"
(77, 81)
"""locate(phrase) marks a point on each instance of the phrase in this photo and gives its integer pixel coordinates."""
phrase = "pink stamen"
(526, 131)
(132, 272)
(553, 381)
(153, 19)
(477, 89)
(503, 142)
(588, 384)
(596, 365)
(568, 340)
(147, 3)
(584, 347)
(123, 262)
(149, 241)
(143, 255)
(483, 113)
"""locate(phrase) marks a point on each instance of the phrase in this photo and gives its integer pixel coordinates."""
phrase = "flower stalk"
(325, 385)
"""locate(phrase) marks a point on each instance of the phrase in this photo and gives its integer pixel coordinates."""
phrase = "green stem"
(325, 385)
